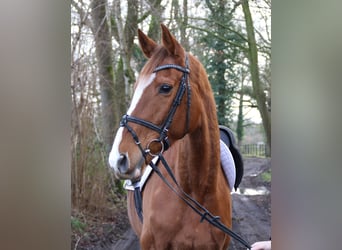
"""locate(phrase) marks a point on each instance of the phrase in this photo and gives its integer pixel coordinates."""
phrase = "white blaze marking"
(114, 153)
(144, 83)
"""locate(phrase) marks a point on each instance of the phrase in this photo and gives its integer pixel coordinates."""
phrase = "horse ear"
(170, 43)
(147, 45)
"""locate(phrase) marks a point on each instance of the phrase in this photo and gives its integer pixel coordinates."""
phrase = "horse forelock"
(156, 59)
(159, 55)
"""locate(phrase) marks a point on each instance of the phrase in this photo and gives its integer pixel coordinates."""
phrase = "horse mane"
(199, 80)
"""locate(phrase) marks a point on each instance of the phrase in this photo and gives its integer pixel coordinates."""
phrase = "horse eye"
(165, 89)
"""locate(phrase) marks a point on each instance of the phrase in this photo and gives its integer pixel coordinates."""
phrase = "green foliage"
(77, 225)
(110, 71)
(266, 176)
(220, 58)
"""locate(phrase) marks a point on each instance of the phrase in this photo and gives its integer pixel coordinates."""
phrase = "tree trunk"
(104, 56)
(156, 19)
(182, 20)
(184, 38)
(258, 88)
(125, 33)
(239, 126)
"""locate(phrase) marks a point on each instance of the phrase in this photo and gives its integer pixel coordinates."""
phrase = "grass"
(266, 176)
(77, 225)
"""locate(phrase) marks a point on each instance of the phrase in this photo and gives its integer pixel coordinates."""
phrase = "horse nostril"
(123, 163)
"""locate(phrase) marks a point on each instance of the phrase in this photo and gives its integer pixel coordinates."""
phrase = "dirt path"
(252, 204)
(251, 215)
(251, 209)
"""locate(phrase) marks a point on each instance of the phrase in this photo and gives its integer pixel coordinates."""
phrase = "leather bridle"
(164, 128)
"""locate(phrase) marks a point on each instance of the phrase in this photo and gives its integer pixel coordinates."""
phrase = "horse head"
(160, 111)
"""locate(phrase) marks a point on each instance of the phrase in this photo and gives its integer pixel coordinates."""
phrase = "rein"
(165, 144)
(195, 205)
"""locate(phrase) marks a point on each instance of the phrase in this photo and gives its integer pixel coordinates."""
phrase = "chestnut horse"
(173, 114)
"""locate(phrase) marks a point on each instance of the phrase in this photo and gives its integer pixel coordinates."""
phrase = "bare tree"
(104, 56)
(124, 29)
(258, 87)
(179, 14)
(156, 18)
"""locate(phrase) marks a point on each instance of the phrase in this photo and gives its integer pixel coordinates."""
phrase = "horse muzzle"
(123, 164)
(123, 167)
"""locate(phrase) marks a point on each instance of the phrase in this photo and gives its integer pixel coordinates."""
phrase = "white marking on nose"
(144, 82)
(114, 153)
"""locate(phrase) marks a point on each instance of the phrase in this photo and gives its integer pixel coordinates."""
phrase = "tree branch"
(219, 37)
(222, 25)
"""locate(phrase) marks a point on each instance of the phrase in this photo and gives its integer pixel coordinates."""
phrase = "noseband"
(164, 128)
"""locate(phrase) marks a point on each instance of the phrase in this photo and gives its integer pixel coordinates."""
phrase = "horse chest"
(183, 235)
(169, 224)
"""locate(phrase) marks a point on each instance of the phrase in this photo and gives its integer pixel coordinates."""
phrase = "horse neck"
(203, 158)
